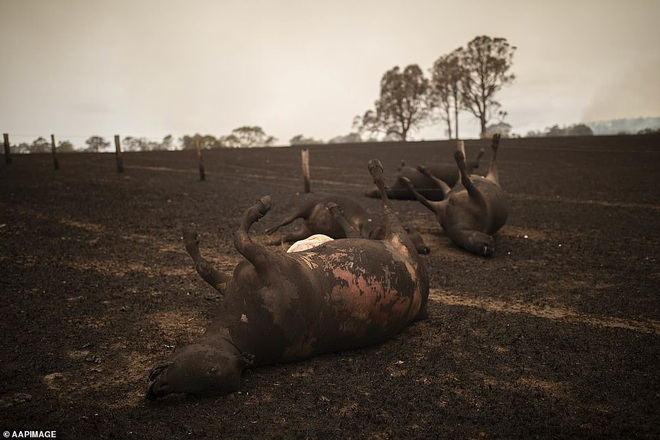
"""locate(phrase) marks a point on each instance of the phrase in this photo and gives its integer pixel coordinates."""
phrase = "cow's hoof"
(157, 369)
(190, 236)
(156, 386)
(259, 209)
(375, 165)
(265, 203)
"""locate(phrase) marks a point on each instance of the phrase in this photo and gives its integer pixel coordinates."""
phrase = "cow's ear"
(247, 359)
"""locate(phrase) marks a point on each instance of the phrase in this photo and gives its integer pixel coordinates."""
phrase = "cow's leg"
(285, 221)
(393, 227)
(472, 190)
(338, 215)
(215, 278)
(480, 154)
(437, 207)
(300, 233)
(474, 164)
(493, 174)
(438, 182)
(256, 254)
(375, 167)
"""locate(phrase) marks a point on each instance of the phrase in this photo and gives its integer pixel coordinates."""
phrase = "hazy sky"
(149, 68)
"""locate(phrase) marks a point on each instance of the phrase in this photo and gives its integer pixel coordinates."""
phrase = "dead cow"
(424, 184)
(474, 209)
(317, 219)
(284, 307)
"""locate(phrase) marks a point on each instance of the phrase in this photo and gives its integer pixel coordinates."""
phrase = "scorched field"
(555, 336)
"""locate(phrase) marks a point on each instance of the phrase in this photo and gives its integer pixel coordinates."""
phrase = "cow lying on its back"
(424, 184)
(472, 210)
(318, 219)
(282, 307)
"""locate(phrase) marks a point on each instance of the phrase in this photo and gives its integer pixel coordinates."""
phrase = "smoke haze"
(636, 94)
(151, 68)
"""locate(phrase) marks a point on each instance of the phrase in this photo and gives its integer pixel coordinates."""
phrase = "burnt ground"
(556, 336)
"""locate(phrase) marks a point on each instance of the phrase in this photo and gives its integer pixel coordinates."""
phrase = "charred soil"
(556, 336)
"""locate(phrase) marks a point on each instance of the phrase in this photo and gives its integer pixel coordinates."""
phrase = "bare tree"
(404, 104)
(486, 62)
(446, 75)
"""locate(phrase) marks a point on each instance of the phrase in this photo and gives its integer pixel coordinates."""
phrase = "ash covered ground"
(556, 336)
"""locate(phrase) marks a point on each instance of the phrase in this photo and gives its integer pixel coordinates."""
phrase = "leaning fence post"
(56, 164)
(7, 152)
(120, 160)
(304, 155)
(200, 159)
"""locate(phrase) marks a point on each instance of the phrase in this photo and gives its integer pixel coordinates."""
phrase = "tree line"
(96, 144)
(241, 137)
(467, 79)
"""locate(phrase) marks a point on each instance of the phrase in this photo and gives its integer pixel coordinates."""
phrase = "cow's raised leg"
(438, 182)
(339, 217)
(438, 207)
(285, 221)
(256, 254)
(493, 174)
(215, 278)
(474, 164)
(393, 227)
(300, 233)
(472, 190)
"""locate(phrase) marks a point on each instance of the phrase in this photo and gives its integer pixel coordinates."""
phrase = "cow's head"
(198, 369)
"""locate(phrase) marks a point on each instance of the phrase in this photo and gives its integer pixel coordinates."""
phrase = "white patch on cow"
(309, 243)
(244, 318)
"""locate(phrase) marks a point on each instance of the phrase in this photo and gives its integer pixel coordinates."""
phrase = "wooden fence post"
(7, 152)
(200, 159)
(120, 160)
(304, 155)
(56, 164)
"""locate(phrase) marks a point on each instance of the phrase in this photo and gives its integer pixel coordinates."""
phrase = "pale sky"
(149, 68)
